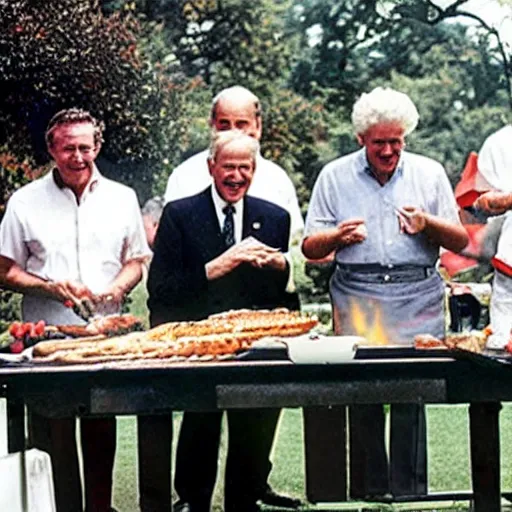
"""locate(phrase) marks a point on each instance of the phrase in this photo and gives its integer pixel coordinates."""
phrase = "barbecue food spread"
(426, 341)
(218, 335)
(277, 322)
(111, 325)
(473, 341)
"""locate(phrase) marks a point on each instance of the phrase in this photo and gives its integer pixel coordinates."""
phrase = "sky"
(495, 13)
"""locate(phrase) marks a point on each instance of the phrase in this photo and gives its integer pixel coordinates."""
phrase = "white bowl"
(316, 349)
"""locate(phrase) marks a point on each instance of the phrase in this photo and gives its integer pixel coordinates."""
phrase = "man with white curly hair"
(385, 213)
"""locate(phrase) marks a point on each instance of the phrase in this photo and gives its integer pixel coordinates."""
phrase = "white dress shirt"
(495, 159)
(238, 215)
(270, 183)
(495, 166)
(47, 233)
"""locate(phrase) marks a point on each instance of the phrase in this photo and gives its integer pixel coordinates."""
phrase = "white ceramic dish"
(316, 349)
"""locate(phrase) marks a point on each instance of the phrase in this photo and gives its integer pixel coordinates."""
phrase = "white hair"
(221, 139)
(384, 105)
(153, 208)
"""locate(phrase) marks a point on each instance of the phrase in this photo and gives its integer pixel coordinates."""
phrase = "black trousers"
(154, 437)
(98, 440)
(370, 472)
(250, 437)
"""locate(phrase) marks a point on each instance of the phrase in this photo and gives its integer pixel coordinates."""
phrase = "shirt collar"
(238, 216)
(364, 165)
(220, 203)
(89, 188)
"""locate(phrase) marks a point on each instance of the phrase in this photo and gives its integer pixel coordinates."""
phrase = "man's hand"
(321, 243)
(75, 295)
(260, 255)
(411, 220)
(351, 231)
(249, 251)
(111, 301)
(494, 202)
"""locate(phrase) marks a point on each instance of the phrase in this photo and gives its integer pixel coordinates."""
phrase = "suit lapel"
(208, 224)
(253, 219)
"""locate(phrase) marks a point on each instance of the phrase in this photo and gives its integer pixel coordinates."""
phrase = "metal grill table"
(128, 389)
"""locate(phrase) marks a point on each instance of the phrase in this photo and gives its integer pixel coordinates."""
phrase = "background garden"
(150, 68)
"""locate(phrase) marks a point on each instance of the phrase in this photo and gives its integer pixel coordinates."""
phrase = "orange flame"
(374, 330)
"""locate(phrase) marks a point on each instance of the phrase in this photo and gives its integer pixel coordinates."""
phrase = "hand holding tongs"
(83, 307)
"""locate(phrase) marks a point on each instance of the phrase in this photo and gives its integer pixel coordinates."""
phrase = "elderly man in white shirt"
(69, 238)
(238, 108)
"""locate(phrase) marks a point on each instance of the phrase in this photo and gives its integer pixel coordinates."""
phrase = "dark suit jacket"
(188, 237)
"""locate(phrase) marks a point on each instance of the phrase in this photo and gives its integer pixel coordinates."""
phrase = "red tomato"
(27, 327)
(17, 346)
(14, 329)
(39, 328)
(33, 333)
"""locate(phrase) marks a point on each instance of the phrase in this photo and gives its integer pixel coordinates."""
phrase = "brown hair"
(72, 116)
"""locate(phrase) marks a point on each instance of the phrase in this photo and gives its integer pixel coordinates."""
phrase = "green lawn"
(448, 459)
(448, 454)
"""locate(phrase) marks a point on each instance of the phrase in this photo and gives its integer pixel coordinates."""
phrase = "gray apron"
(405, 300)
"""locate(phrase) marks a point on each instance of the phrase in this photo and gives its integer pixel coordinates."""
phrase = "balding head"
(237, 108)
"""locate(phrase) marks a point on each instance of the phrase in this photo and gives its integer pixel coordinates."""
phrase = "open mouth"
(387, 162)
(235, 186)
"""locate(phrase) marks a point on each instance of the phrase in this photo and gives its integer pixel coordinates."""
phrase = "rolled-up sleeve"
(321, 212)
(12, 239)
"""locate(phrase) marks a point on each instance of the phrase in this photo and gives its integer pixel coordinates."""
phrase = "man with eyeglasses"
(73, 237)
(386, 213)
(215, 251)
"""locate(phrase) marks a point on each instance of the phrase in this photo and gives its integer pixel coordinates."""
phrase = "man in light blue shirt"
(385, 213)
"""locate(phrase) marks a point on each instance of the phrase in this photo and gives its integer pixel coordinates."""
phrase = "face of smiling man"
(384, 143)
(74, 151)
(232, 170)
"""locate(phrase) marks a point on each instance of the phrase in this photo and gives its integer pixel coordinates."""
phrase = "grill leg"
(326, 453)
(485, 455)
(15, 425)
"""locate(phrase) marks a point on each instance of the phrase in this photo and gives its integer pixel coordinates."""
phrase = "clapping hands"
(251, 251)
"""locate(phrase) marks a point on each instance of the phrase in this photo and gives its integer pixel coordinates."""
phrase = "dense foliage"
(150, 68)
(67, 53)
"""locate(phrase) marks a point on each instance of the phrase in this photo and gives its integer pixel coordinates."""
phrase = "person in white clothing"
(495, 166)
(238, 108)
(69, 238)
(234, 108)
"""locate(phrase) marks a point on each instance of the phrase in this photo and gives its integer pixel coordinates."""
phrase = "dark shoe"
(270, 497)
(182, 506)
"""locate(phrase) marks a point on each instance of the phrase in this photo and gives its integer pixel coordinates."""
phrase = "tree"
(221, 40)
(67, 53)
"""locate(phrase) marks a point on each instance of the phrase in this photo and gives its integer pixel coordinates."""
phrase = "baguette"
(45, 348)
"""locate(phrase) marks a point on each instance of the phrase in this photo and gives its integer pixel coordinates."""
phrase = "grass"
(448, 456)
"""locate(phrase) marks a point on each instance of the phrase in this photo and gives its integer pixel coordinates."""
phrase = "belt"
(382, 274)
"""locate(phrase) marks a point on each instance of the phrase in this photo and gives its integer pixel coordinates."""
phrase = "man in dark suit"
(216, 251)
